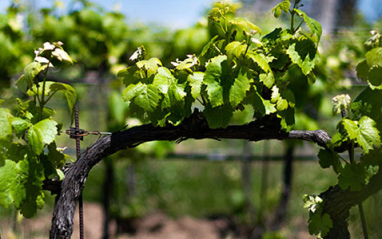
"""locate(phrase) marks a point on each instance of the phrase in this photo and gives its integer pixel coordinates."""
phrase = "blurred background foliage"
(137, 181)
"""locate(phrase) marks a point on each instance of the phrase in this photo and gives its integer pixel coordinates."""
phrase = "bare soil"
(153, 226)
(156, 225)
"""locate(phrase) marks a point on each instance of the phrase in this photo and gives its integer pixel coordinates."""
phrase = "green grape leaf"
(35, 141)
(150, 66)
(240, 87)
(30, 72)
(281, 103)
(187, 64)
(218, 117)
(62, 55)
(261, 60)
(240, 29)
(148, 98)
(282, 6)
(20, 126)
(269, 107)
(320, 224)
(371, 98)
(49, 170)
(57, 158)
(34, 90)
(307, 64)
(195, 80)
(23, 84)
(314, 26)
(13, 177)
(370, 172)
(131, 75)
(213, 79)
(68, 91)
(353, 176)
(42, 133)
(267, 79)
(234, 50)
(374, 78)
(34, 195)
(175, 94)
(35, 202)
(132, 91)
(5, 124)
(364, 133)
(16, 151)
(60, 174)
(362, 70)
(287, 119)
(374, 57)
(241, 25)
(329, 158)
(259, 105)
(368, 134)
(264, 107)
(351, 128)
(163, 79)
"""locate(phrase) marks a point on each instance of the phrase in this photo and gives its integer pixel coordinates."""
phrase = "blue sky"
(176, 13)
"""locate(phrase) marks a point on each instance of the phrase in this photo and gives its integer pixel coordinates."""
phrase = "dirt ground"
(153, 226)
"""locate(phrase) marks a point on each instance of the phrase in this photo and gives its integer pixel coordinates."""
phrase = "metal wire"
(78, 151)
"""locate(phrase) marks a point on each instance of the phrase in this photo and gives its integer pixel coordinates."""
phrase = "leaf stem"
(51, 96)
(293, 13)
(43, 102)
(299, 25)
(216, 48)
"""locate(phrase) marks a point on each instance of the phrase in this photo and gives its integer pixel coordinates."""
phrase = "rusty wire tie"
(80, 133)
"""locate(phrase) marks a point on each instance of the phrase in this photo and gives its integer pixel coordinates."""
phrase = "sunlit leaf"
(235, 50)
(239, 87)
(13, 177)
(195, 80)
(148, 98)
(20, 126)
(30, 72)
(5, 123)
(307, 64)
(62, 55)
(363, 132)
(163, 79)
(282, 6)
(213, 80)
(374, 57)
(41, 134)
(267, 79)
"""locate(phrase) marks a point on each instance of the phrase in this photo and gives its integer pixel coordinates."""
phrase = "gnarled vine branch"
(194, 127)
